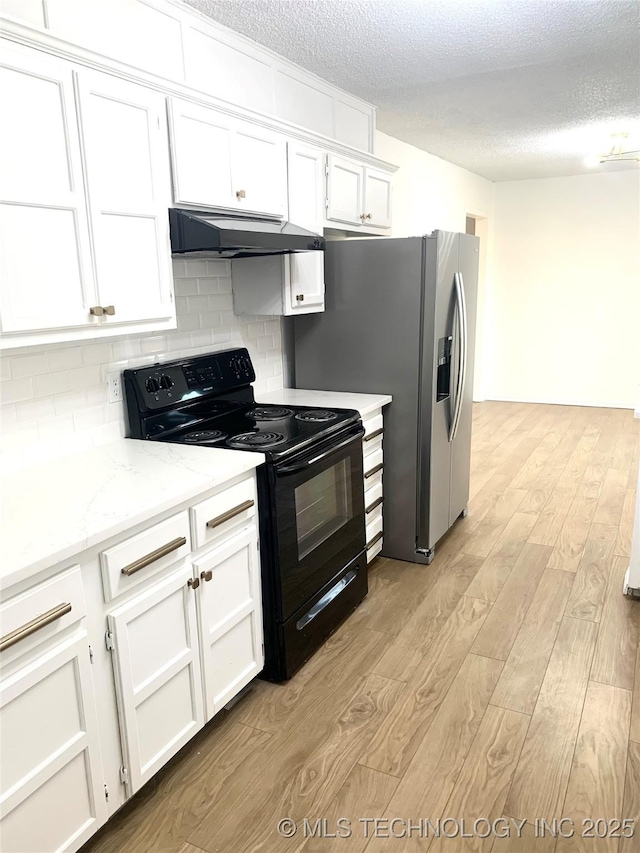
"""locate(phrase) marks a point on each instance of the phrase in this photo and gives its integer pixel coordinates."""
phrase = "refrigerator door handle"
(461, 304)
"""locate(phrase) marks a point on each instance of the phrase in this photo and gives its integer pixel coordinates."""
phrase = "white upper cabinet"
(305, 285)
(124, 129)
(225, 163)
(46, 276)
(345, 191)
(358, 195)
(377, 198)
(201, 155)
(259, 169)
(84, 232)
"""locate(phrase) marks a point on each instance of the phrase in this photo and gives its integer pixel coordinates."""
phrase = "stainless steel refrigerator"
(400, 319)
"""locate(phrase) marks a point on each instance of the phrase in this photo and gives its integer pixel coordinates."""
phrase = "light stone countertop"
(54, 511)
(363, 403)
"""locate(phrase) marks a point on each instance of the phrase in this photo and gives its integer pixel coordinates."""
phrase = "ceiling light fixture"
(616, 152)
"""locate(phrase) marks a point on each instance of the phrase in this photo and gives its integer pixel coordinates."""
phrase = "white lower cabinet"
(53, 795)
(157, 670)
(229, 618)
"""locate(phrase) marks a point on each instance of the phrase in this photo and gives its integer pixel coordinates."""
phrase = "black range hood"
(201, 233)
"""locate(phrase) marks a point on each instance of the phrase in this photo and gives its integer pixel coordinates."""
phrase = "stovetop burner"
(316, 415)
(256, 439)
(205, 436)
(269, 413)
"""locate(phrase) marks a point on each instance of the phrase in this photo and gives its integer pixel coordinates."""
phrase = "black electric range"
(311, 501)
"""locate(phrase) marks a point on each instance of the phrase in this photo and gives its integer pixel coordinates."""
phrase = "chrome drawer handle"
(373, 471)
(375, 539)
(372, 506)
(216, 522)
(143, 562)
(34, 625)
(374, 434)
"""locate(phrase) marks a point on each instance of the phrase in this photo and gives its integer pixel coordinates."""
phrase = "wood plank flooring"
(500, 684)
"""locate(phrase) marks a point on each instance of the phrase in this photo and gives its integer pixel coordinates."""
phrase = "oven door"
(319, 517)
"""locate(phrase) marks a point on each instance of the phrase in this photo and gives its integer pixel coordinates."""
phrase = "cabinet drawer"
(372, 426)
(374, 550)
(42, 612)
(372, 472)
(134, 561)
(373, 502)
(374, 527)
(223, 513)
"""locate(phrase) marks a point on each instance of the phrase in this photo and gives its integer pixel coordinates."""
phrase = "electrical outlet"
(114, 384)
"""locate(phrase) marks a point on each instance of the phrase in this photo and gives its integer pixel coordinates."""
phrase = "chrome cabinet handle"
(220, 519)
(143, 562)
(372, 506)
(34, 625)
(194, 583)
(241, 194)
(101, 310)
(374, 434)
(206, 576)
(373, 471)
(300, 297)
(109, 309)
(375, 539)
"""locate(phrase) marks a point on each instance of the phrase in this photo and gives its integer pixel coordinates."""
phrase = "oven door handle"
(301, 466)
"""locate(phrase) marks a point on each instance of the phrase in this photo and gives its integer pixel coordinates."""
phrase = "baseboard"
(592, 404)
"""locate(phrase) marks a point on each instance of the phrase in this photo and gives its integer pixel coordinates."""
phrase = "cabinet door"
(230, 618)
(345, 191)
(46, 279)
(377, 198)
(201, 155)
(304, 291)
(259, 170)
(124, 133)
(158, 679)
(52, 786)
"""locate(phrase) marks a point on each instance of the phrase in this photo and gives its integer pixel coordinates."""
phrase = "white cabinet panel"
(226, 163)
(129, 192)
(226, 72)
(259, 169)
(52, 789)
(306, 180)
(30, 11)
(345, 191)
(377, 198)
(201, 150)
(230, 618)
(41, 194)
(158, 676)
(351, 125)
(303, 104)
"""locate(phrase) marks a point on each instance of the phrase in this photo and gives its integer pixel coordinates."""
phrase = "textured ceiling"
(509, 89)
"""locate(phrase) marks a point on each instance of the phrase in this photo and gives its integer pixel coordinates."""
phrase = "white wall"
(54, 399)
(430, 193)
(565, 294)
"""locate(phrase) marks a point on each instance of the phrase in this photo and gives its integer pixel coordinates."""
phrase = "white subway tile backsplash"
(29, 365)
(54, 400)
(65, 359)
(14, 390)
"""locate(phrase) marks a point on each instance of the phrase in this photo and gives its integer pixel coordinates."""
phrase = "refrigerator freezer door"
(441, 264)
(368, 340)
(468, 253)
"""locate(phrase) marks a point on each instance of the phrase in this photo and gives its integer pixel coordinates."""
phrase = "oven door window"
(319, 514)
(324, 504)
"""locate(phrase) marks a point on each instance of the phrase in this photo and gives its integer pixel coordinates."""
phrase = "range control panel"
(162, 385)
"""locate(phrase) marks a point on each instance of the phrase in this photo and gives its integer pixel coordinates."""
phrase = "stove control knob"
(152, 385)
(166, 382)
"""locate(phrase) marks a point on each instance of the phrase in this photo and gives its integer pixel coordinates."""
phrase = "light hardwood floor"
(501, 681)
